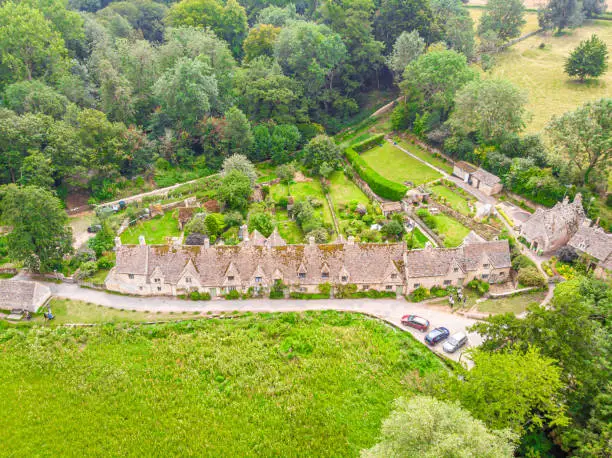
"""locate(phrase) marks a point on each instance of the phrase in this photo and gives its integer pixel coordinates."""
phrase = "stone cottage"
(478, 178)
(23, 295)
(547, 230)
(595, 242)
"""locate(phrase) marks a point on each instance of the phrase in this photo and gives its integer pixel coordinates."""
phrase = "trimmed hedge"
(308, 296)
(379, 184)
(368, 143)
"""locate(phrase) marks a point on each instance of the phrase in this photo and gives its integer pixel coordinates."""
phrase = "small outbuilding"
(23, 295)
(478, 178)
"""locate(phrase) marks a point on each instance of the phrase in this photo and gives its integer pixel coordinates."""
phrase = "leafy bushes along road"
(380, 185)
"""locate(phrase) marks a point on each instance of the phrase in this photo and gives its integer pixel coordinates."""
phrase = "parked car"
(415, 322)
(455, 342)
(94, 228)
(437, 335)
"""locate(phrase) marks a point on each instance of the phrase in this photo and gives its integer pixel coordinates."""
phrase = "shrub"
(438, 291)
(105, 263)
(194, 295)
(481, 287)
(233, 295)
(278, 290)
(87, 269)
(325, 288)
(204, 296)
(379, 184)
(522, 261)
(345, 291)
(368, 143)
(567, 254)
(419, 294)
(531, 276)
(308, 296)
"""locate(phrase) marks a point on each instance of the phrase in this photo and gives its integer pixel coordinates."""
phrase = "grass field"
(315, 384)
(287, 228)
(155, 230)
(398, 166)
(426, 156)
(302, 190)
(540, 72)
(453, 200)
(453, 231)
(531, 20)
(515, 304)
(343, 191)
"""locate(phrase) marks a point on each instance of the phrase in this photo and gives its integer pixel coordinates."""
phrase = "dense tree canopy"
(589, 59)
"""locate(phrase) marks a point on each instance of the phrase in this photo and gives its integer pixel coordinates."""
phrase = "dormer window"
(486, 266)
(324, 274)
(187, 279)
(344, 278)
(131, 276)
(230, 278)
(393, 276)
(302, 275)
(156, 280)
(257, 279)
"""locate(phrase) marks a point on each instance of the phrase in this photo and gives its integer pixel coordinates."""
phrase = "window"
(302, 275)
(213, 292)
(231, 288)
(389, 287)
(486, 266)
(456, 269)
(417, 285)
(447, 282)
(501, 274)
(257, 279)
(141, 288)
(365, 287)
(344, 278)
(159, 288)
(302, 290)
(230, 278)
(325, 274)
(131, 276)
(156, 280)
(485, 276)
(393, 276)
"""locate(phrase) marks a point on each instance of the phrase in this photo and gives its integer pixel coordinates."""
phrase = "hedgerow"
(379, 184)
(368, 143)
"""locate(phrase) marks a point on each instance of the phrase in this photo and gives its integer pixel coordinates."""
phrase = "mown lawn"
(453, 200)
(453, 231)
(426, 156)
(540, 72)
(155, 230)
(313, 384)
(398, 166)
(515, 304)
(343, 191)
(287, 228)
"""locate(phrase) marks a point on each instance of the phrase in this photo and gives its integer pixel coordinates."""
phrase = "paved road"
(390, 310)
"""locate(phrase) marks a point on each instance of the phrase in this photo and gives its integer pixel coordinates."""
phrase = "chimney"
(311, 240)
(351, 240)
(117, 242)
(206, 243)
(244, 233)
(141, 240)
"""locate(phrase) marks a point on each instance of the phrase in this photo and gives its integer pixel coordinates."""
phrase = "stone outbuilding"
(597, 244)
(23, 295)
(478, 178)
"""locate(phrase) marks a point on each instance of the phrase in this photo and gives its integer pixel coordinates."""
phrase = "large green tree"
(560, 14)
(41, 236)
(319, 151)
(583, 138)
(589, 59)
(407, 47)
(504, 17)
(234, 190)
(30, 46)
(396, 16)
(490, 108)
(429, 428)
(237, 131)
(456, 27)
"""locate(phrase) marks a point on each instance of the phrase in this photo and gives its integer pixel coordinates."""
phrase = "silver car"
(455, 342)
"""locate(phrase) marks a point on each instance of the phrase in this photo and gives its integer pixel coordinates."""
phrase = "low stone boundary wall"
(513, 292)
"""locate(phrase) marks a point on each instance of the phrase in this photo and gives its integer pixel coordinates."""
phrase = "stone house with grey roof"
(258, 262)
(23, 295)
(478, 178)
(596, 243)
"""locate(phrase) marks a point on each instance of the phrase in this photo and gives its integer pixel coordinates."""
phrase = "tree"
(215, 223)
(197, 225)
(583, 137)
(35, 97)
(237, 131)
(393, 229)
(262, 142)
(285, 141)
(320, 150)
(285, 172)
(260, 41)
(594, 8)
(490, 108)
(234, 26)
(235, 189)
(406, 48)
(426, 427)
(436, 77)
(276, 16)
(31, 47)
(196, 13)
(41, 235)
(589, 59)
(567, 254)
(37, 170)
(187, 92)
(561, 14)
(262, 222)
(456, 25)
(397, 16)
(504, 17)
(240, 163)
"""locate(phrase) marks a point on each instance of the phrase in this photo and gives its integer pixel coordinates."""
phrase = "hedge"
(368, 143)
(379, 184)
(308, 296)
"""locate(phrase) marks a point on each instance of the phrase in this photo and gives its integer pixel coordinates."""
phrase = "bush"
(194, 295)
(438, 291)
(481, 287)
(308, 296)
(419, 294)
(87, 269)
(233, 295)
(368, 143)
(105, 263)
(325, 288)
(379, 184)
(567, 254)
(531, 276)
(522, 261)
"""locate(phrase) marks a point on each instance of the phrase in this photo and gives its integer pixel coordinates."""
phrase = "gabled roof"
(472, 237)
(466, 166)
(26, 295)
(275, 239)
(486, 177)
(593, 241)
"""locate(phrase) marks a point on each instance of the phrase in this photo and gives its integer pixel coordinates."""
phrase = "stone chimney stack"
(206, 243)
(117, 242)
(141, 240)
(243, 233)
(311, 240)
(351, 240)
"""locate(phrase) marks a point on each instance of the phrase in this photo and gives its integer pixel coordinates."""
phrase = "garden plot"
(155, 230)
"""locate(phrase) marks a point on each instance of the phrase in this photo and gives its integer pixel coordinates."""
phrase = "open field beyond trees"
(398, 166)
(269, 384)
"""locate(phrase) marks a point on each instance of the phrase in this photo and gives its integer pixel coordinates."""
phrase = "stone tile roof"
(364, 263)
(27, 295)
(486, 177)
(466, 166)
(594, 241)
(472, 237)
(432, 262)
